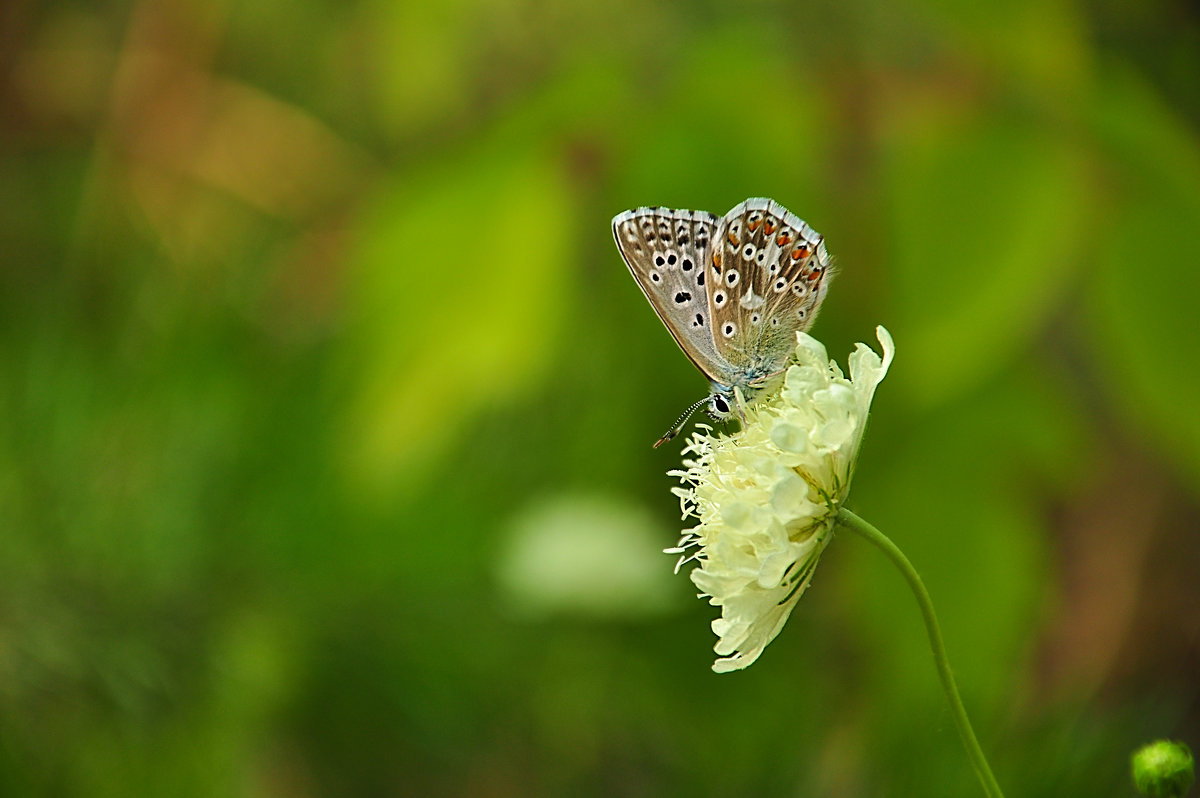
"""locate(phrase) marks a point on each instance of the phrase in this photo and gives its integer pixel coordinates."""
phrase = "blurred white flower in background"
(767, 496)
(584, 555)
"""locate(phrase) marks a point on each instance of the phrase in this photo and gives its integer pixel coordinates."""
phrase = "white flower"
(767, 496)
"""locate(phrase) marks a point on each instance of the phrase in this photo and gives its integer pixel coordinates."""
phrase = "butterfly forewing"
(767, 273)
(667, 252)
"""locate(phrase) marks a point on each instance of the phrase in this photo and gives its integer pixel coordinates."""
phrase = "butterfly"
(732, 291)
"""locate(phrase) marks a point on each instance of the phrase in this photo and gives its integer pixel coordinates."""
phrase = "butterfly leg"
(740, 403)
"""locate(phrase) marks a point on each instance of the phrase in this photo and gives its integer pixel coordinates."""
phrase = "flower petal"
(765, 496)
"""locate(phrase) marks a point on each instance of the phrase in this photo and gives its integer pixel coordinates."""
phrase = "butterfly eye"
(720, 406)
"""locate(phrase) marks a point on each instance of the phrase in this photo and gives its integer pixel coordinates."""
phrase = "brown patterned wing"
(666, 251)
(769, 273)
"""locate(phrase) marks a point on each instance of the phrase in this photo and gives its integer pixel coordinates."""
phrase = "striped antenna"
(674, 430)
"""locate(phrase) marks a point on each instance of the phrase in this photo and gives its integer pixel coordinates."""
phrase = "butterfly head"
(727, 401)
(721, 403)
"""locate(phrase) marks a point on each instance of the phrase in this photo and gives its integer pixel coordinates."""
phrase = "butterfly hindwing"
(667, 252)
(768, 274)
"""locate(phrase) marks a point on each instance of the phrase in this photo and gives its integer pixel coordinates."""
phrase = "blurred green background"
(326, 401)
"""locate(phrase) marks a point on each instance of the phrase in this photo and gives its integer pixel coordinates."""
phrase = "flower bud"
(1163, 769)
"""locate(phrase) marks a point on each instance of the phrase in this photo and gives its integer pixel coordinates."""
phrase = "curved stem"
(889, 548)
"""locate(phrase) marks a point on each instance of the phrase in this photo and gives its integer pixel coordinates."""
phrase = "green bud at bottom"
(1163, 769)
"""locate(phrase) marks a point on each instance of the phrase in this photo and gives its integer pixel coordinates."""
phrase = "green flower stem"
(889, 548)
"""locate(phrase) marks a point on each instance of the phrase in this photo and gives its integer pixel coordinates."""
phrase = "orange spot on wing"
(754, 225)
(783, 239)
(733, 239)
(768, 228)
(717, 259)
(799, 252)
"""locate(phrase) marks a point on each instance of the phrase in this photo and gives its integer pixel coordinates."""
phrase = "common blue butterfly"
(732, 291)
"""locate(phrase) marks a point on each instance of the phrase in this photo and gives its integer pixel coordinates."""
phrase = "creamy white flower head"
(768, 495)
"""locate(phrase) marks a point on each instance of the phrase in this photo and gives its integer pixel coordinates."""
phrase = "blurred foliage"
(315, 352)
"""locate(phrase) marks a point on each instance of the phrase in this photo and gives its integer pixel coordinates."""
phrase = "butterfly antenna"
(674, 430)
